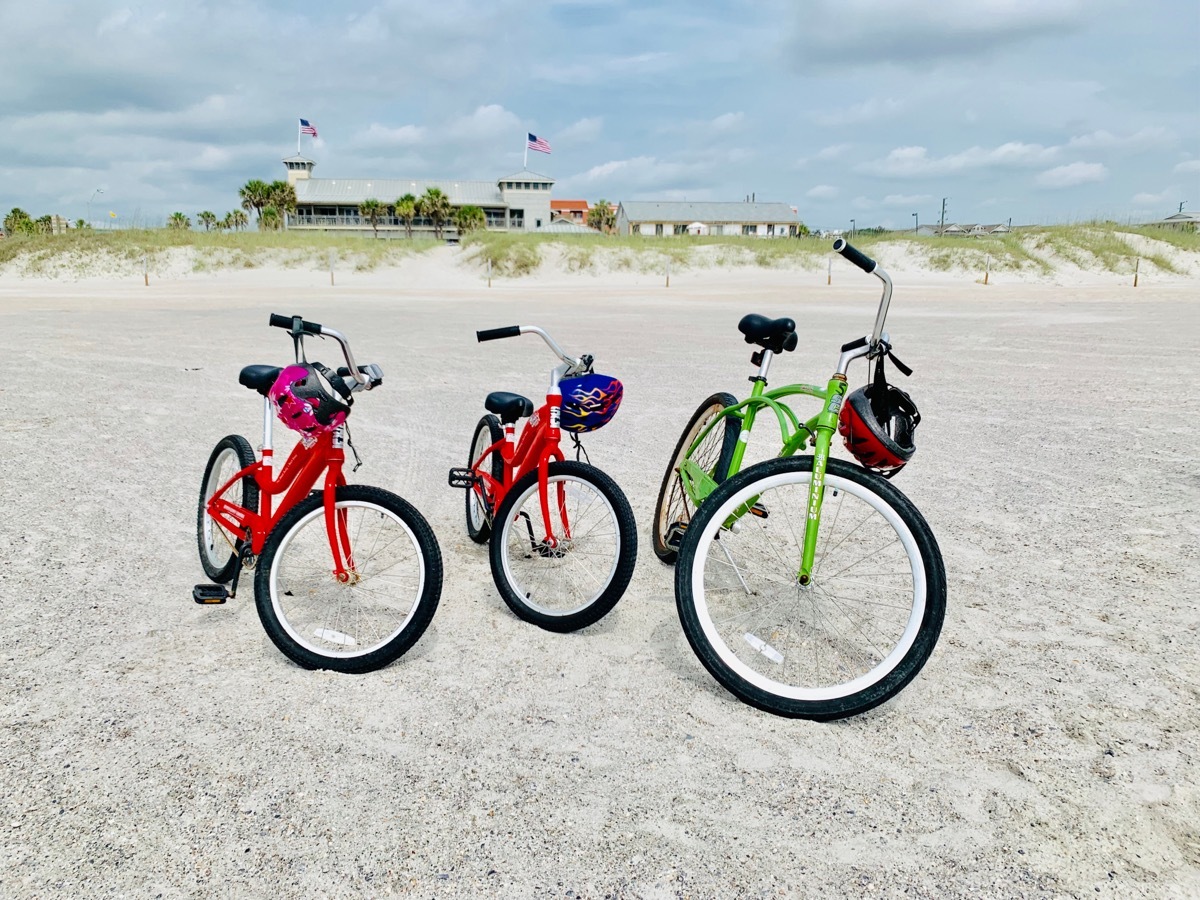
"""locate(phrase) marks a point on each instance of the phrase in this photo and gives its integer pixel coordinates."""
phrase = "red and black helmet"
(878, 422)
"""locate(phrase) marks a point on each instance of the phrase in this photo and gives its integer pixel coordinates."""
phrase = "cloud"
(728, 122)
(915, 162)
(582, 132)
(1150, 199)
(1072, 174)
(1189, 165)
(603, 70)
(821, 192)
(1145, 139)
(485, 123)
(906, 199)
(382, 136)
(917, 32)
(875, 109)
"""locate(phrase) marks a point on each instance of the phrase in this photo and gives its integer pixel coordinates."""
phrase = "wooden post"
(987, 268)
(829, 271)
(146, 269)
(489, 271)
(668, 271)
(331, 268)
(1137, 264)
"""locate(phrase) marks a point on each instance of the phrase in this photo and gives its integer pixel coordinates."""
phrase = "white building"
(665, 218)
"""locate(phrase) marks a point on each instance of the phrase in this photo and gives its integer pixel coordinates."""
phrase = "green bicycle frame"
(816, 432)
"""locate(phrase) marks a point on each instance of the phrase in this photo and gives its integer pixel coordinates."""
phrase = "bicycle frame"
(538, 446)
(296, 480)
(816, 431)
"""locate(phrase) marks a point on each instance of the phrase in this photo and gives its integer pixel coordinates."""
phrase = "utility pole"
(852, 231)
(916, 224)
(942, 227)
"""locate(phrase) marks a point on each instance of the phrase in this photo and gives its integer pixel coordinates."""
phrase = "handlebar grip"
(494, 334)
(278, 321)
(857, 257)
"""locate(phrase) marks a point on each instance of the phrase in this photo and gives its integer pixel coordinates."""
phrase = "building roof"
(526, 175)
(566, 226)
(708, 213)
(388, 190)
(560, 205)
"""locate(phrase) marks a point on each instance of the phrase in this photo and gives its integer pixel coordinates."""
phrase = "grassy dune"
(1035, 251)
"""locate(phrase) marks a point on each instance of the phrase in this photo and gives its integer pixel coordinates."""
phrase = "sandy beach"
(153, 747)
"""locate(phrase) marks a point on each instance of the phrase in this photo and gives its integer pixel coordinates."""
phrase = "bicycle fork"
(826, 425)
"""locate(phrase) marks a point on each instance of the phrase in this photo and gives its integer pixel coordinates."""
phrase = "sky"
(871, 111)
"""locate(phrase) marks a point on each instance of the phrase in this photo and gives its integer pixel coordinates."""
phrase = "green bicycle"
(807, 586)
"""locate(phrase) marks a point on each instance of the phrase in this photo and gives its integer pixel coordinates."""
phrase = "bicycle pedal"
(462, 478)
(209, 594)
(675, 533)
(759, 510)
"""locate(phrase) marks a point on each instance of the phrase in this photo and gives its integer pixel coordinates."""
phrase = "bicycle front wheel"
(218, 555)
(675, 509)
(846, 642)
(385, 604)
(567, 573)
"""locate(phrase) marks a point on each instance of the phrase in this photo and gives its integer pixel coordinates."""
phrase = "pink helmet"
(303, 401)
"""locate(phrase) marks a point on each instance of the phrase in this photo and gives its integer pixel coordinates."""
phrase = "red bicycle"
(563, 538)
(348, 576)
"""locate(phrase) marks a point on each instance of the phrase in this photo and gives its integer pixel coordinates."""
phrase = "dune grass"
(1091, 246)
(78, 248)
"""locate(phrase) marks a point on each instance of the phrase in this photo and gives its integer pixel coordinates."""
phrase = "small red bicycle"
(348, 576)
(563, 538)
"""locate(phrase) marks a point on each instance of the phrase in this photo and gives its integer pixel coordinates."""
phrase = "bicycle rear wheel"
(479, 514)
(576, 578)
(848, 641)
(373, 618)
(217, 555)
(675, 510)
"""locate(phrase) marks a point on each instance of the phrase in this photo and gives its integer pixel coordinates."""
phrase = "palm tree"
(372, 211)
(406, 211)
(207, 219)
(282, 196)
(236, 219)
(179, 222)
(435, 206)
(270, 220)
(601, 216)
(469, 218)
(82, 223)
(44, 225)
(255, 195)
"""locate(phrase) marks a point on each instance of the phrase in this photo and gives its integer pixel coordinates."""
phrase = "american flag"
(307, 127)
(536, 143)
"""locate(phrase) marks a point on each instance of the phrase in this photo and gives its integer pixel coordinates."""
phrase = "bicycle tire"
(479, 515)
(320, 623)
(231, 454)
(671, 513)
(873, 547)
(554, 588)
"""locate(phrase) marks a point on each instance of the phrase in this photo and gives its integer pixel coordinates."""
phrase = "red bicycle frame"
(538, 447)
(300, 473)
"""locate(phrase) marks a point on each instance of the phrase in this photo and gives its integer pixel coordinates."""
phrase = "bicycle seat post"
(761, 358)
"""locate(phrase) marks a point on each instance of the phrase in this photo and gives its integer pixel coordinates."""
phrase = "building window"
(539, 223)
(658, 230)
(681, 229)
(749, 229)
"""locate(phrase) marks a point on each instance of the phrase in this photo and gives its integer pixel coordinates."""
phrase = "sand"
(153, 747)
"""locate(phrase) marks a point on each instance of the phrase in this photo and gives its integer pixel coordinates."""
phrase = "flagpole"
(297, 137)
(525, 165)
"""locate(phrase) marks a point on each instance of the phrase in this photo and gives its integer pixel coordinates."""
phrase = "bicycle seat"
(776, 335)
(509, 407)
(259, 378)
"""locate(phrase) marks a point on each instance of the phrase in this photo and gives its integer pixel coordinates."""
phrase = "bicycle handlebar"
(364, 376)
(494, 334)
(856, 256)
(868, 265)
